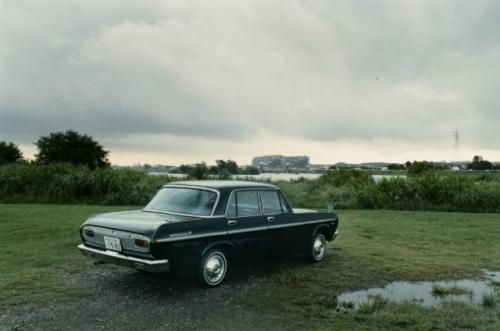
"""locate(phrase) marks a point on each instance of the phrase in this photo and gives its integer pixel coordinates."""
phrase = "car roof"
(223, 184)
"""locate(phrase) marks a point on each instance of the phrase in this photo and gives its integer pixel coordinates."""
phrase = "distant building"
(280, 162)
(319, 167)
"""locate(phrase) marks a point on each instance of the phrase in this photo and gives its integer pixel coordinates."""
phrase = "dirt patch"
(127, 299)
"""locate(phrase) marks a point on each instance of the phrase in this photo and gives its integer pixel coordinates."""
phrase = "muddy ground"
(125, 299)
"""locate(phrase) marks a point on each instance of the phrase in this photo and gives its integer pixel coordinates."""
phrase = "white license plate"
(112, 243)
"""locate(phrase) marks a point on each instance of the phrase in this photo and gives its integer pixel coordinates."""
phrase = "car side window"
(270, 202)
(247, 203)
(284, 205)
(231, 206)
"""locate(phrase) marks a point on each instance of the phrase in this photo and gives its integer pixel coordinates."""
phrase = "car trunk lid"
(134, 221)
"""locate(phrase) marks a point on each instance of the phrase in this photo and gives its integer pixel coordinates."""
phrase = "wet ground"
(428, 293)
(124, 299)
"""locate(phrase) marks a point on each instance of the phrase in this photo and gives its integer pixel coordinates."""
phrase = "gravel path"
(131, 300)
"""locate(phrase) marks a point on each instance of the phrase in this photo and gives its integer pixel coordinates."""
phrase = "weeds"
(342, 189)
(63, 183)
(490, 300)
(375, 303)
(431, 191)
(440, 291)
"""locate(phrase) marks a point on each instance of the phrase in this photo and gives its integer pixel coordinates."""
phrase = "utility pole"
(456, 135)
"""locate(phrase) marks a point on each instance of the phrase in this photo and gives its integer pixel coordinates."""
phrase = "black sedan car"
(200, 226)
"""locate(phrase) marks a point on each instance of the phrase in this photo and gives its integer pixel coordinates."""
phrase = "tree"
(419, 167)
(9, 153)
(232, 167)
(71, 147)
(199, 171)
(229, 166)
(224, 169)
(396, 166)
(478, 163)
(251, 170)
(184, 169)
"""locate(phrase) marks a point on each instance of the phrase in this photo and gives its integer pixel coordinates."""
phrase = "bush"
(344, 177)
(429, 191)
(64, 183)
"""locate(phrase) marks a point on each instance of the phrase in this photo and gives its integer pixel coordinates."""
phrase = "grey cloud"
(320, 71)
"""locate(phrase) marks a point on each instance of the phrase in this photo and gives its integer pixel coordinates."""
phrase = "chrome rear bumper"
(335, 235)
(123, 260)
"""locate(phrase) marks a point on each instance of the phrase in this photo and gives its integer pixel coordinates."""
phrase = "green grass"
(376, 248)
(441, 291)
(490, 300)
(38, 250)
(375, 304)
(38, 246)
(342, 189)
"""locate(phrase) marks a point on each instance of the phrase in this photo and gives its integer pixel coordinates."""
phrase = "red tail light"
(141, 243)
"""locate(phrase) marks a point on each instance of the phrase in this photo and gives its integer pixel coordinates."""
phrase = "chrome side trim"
(321, 221)
(258, 228)
(194, 236)
(178, 214)
(194, 188)
(236, 231)
(277, 226)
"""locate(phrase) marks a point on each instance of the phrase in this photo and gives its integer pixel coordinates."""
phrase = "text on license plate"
(112, 243)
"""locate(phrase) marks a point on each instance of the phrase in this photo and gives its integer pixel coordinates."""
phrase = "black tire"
(316, 251)
(212, 268)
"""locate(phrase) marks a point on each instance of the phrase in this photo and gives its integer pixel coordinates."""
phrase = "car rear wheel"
(317, 248)
(213, 268)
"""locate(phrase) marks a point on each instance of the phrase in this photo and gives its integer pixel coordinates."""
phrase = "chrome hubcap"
(319, 248)
(215, 268)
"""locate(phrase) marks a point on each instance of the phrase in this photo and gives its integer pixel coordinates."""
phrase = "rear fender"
(219, 243)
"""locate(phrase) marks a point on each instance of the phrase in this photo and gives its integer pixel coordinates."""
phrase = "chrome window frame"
(239, 190)
(290, 208)
(216, 203)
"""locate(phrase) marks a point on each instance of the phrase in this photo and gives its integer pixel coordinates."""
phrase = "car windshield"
(189, 201)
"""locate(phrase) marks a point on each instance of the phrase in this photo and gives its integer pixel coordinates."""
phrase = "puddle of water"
(421, 292)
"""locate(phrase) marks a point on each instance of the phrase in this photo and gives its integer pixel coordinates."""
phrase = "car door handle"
(271, 218)
(232, 222)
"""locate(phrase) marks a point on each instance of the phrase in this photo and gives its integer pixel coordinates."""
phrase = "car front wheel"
(213, 268)
(317, 248)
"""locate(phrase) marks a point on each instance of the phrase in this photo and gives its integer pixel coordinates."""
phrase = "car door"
(247, 227)
(286, 232)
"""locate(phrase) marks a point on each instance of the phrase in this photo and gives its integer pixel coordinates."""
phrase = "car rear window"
(188, 201)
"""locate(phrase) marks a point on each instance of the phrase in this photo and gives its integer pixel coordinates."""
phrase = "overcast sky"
(182, 81)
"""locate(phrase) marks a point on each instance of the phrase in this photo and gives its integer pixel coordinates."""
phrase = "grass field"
(38, 246)
(38, 250)
(377, 247)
